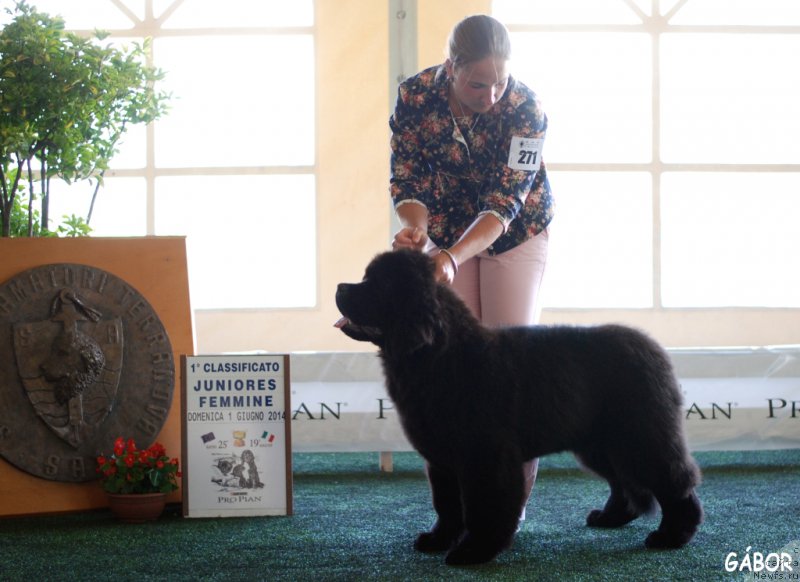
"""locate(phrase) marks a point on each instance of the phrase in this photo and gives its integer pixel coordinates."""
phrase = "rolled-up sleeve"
(410, 179)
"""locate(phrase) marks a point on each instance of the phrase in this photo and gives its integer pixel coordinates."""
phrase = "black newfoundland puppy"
(477, 403)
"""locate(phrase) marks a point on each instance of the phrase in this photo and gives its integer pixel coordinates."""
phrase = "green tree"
(65, 101)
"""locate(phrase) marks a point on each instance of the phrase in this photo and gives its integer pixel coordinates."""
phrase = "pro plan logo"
(755, 565)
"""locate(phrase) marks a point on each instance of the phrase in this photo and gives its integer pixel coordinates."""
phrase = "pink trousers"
(503, 290)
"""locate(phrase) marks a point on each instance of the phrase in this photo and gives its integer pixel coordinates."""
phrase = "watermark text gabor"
(780, 565)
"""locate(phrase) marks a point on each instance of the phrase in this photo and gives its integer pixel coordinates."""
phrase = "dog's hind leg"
(492, 494)
(447, 503)
(673, 476)
(679, 521)
(625, 503)
(621, 508)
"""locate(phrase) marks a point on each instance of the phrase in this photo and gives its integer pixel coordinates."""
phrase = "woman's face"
(479, 85)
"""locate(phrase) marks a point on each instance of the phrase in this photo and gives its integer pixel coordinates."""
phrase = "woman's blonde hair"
(477, 37)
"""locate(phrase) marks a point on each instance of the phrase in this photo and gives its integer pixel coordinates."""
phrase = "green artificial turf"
(352, 522)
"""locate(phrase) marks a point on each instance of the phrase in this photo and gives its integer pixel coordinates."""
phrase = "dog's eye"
(380, 286)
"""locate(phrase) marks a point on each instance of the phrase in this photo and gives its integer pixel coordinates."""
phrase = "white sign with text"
(236, 437)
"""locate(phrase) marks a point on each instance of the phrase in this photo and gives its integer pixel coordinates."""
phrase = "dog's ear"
(414, 333)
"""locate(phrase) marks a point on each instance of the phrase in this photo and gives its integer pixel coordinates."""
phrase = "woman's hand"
(410, 237)
(444, 268)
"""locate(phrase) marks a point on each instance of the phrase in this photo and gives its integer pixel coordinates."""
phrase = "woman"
(468, 181)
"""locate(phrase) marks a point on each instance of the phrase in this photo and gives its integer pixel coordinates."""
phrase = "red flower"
(157, 450)
(130, 470)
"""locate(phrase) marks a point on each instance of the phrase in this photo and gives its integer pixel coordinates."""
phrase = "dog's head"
(395, 306)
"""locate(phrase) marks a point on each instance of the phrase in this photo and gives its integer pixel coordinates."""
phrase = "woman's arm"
(414, 234)
(477, 238)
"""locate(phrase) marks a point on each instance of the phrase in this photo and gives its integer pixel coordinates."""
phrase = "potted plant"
(65, 102)
(136, 481)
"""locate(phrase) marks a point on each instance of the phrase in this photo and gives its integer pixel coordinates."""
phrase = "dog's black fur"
(477, 403)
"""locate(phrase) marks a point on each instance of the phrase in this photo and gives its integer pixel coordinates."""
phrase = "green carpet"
(352, 522)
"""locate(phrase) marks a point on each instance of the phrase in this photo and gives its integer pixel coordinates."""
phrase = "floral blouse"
(460, 168)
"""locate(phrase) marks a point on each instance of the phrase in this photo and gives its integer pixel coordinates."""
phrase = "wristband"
(452, 260)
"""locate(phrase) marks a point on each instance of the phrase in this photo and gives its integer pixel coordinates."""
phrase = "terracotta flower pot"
(137, 508)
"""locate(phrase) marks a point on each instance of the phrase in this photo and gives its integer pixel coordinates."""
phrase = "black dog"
(477, 403)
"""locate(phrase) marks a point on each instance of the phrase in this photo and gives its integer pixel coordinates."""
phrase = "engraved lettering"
(88, 278)
(78, 467)
(157, 411)
(63, 276)
(112, 334)
(162, 374)
(5, 306)
(134, 309)
(161, 357)
(51, 465)
(24, 335)
(147, 426)
(36, 283)
(17, 291)
(102, 286)
(126, 294)
(161, 393)
(158, 338)
(4, 432)
(147, 322)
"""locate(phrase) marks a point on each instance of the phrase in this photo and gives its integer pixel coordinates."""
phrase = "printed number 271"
(527, 157)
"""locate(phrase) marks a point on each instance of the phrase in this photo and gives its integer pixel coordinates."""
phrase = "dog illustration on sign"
(233, 472)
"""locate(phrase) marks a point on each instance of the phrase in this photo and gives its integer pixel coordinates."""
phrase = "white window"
(232, 165)
(672, 147)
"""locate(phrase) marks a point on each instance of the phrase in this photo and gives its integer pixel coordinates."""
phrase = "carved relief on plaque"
(84, 358)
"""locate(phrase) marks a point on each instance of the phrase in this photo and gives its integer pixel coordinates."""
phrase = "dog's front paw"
(433, 541)
(605, 518)
(595, 518)
(472, 551)
(664, 540)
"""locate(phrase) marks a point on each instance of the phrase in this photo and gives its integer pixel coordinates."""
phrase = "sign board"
(236, 435)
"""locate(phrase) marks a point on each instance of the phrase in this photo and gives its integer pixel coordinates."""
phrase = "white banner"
(735, 399)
